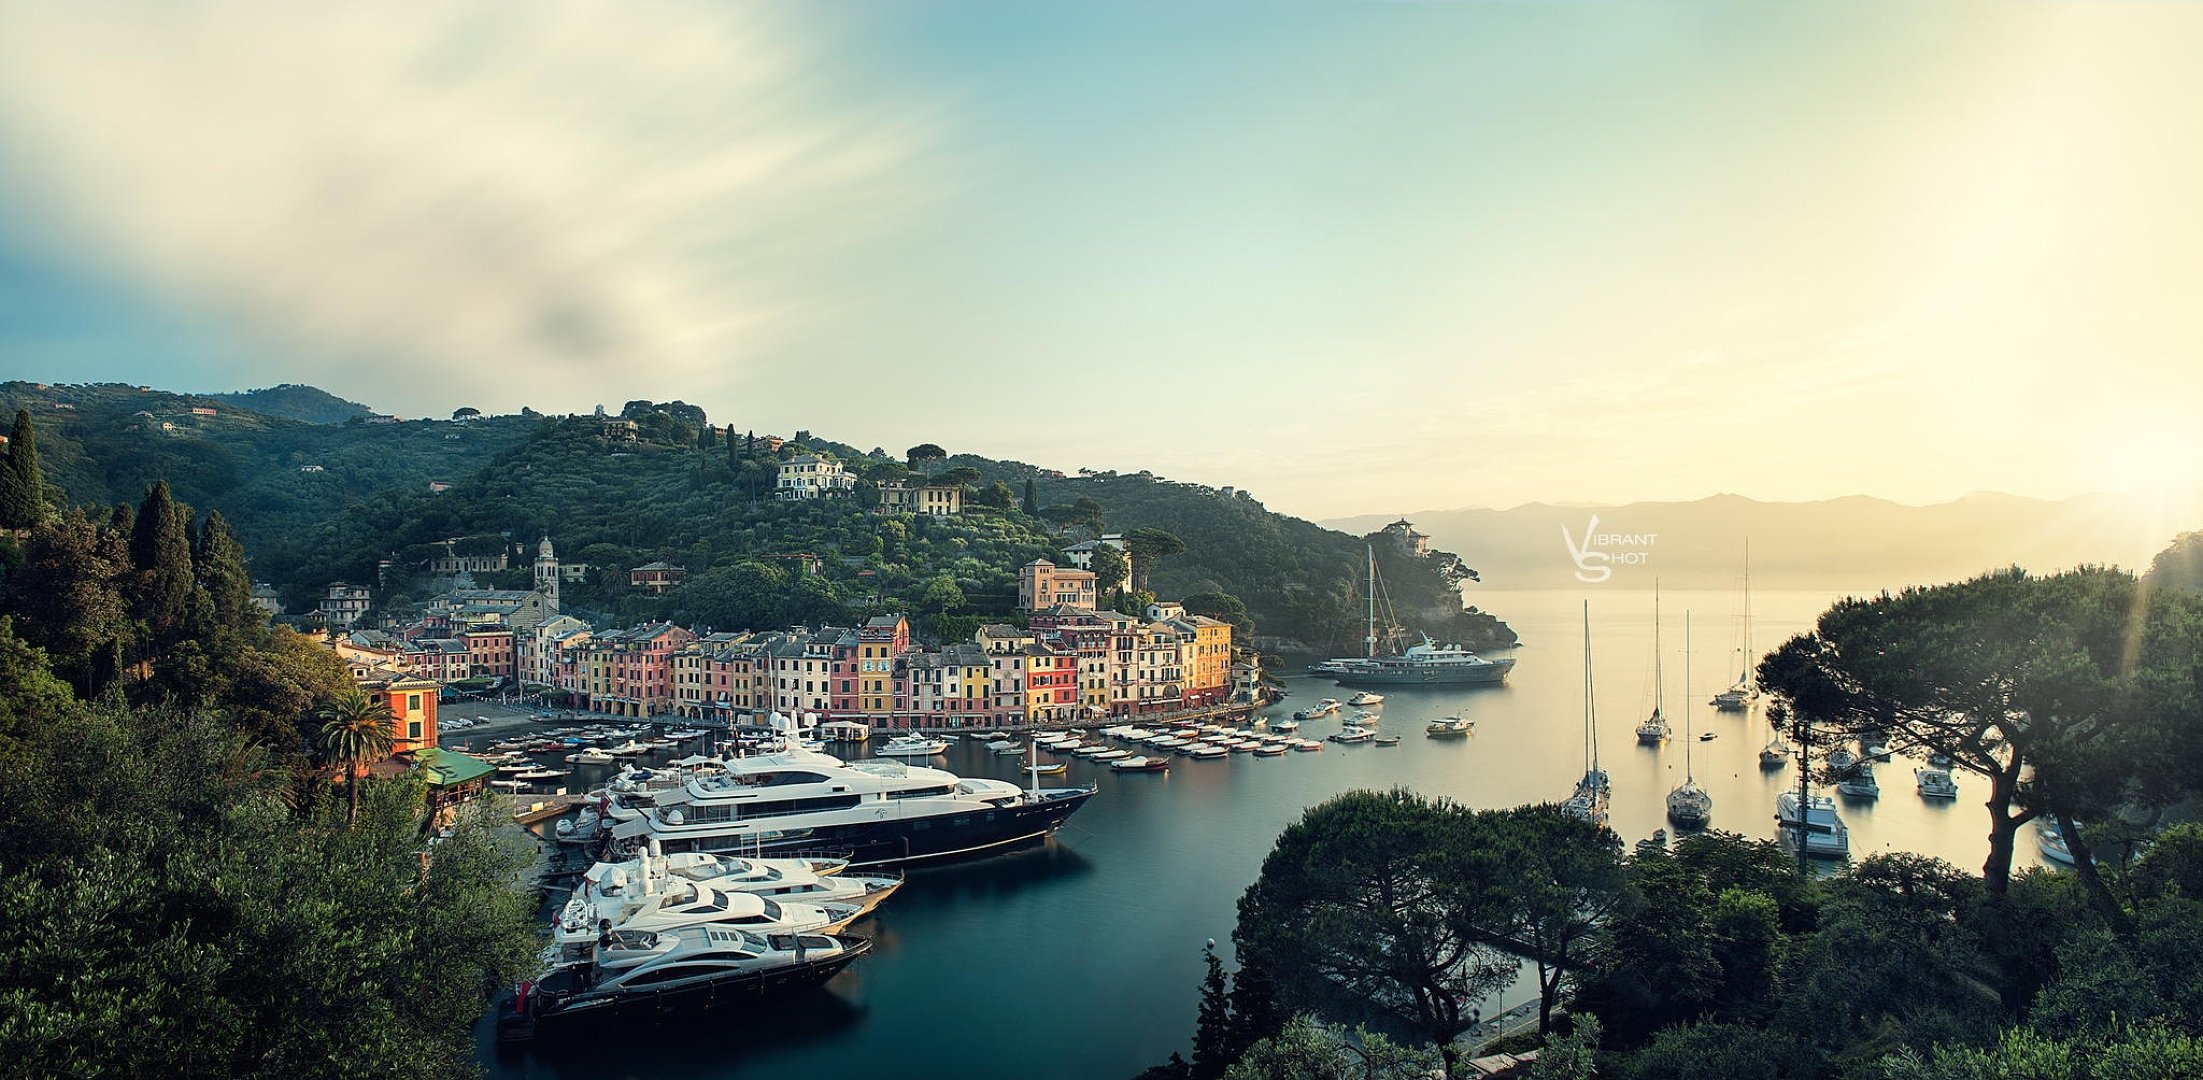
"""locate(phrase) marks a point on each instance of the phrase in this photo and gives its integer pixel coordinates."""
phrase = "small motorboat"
(1366, 698)
(1051, 769)
(1287, 724)
(912, 746)
(1112, 755)
(1271, 750)
(1385, 740)
(1352, 734)
(1449, 727)
(1140, 764)
(1307, 746)
(1708, 736)
(1210, 752)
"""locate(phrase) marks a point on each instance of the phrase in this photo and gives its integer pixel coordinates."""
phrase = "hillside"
(1854, 544)
(284, 484)
(293, 401)
(314, 503)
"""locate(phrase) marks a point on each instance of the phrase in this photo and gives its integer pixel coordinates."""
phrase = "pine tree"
(218, 561)
(22, 488)
(1212, 1035)
(160, 554)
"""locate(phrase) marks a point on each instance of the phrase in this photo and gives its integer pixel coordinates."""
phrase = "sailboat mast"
(1659, 683)
(1688, 778)
(1746, 679)
(1371, 640)
(1590, 699)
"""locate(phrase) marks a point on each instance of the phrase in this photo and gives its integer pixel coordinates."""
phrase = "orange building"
(412, 702)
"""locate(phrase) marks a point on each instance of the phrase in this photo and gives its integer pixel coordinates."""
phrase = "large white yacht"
(683, 904)
(874, 812)
(802, 880)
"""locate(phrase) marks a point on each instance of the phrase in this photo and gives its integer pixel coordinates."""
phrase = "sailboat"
(1655, 729)
(1739, 697)
(1590, 799)
(1689, 806)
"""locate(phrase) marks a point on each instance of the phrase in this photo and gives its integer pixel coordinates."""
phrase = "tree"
(160, 558)
(218, 562)
(357, 730)
(1030, 504)
(22, 485)
(1213, 1027)
(1370, 905)
(963, 475)
(924, 454)
(705, 437)
(67, 601)
(995, 496)
(1567, 879)
(468, 412)
(1110, 569)
(1146, 547)
(1307, 1050)
(2017, 679)
(2179, 566)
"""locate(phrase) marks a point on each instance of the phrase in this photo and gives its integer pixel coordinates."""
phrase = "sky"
(1351, 256)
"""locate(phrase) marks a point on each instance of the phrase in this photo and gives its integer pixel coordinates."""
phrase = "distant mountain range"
(1850, 544)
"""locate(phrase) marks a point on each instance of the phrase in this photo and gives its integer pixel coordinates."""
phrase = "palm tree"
(356, 729)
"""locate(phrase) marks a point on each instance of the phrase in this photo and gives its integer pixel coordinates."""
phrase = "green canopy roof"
(446, 768)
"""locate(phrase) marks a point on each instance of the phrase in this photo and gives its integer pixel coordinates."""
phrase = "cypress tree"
(160, 554)
(218, 561)
(1031, 505)
(1212, 1035)
(704, 437)
(22, 489)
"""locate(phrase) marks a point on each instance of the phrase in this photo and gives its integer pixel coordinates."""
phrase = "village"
(1072, 660)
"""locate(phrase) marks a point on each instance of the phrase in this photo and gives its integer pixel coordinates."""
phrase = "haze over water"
(1082, 958)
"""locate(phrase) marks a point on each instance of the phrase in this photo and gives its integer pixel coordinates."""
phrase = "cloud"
(497, 199)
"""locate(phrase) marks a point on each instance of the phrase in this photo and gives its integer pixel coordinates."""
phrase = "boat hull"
(887, 842)
(558, 1011)
(1468, 675)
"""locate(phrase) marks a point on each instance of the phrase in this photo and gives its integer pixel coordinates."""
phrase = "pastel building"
(1042, 584)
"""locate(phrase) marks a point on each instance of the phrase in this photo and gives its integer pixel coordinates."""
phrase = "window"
(413, 730)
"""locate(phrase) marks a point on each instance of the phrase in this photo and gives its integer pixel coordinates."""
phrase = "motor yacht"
(595, 987)
(1446, 727)
(1824, 835)
(877, 811)
(1935, 783)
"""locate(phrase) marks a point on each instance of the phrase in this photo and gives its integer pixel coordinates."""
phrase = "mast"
(1371, 640)
(1590, 705)
(1688, 779)
(1659, 685)
(1745, 680)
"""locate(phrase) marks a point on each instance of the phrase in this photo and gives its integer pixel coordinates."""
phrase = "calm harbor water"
(1081, 958)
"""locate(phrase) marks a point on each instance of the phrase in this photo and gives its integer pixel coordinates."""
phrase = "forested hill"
(293, 401)
(315, 503)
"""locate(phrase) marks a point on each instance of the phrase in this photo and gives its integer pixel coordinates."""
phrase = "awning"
(629, 830)
(449, 768)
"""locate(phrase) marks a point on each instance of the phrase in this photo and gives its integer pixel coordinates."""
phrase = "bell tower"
(546, 572)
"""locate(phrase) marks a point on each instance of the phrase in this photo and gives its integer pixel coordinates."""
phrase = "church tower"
(546, 572)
